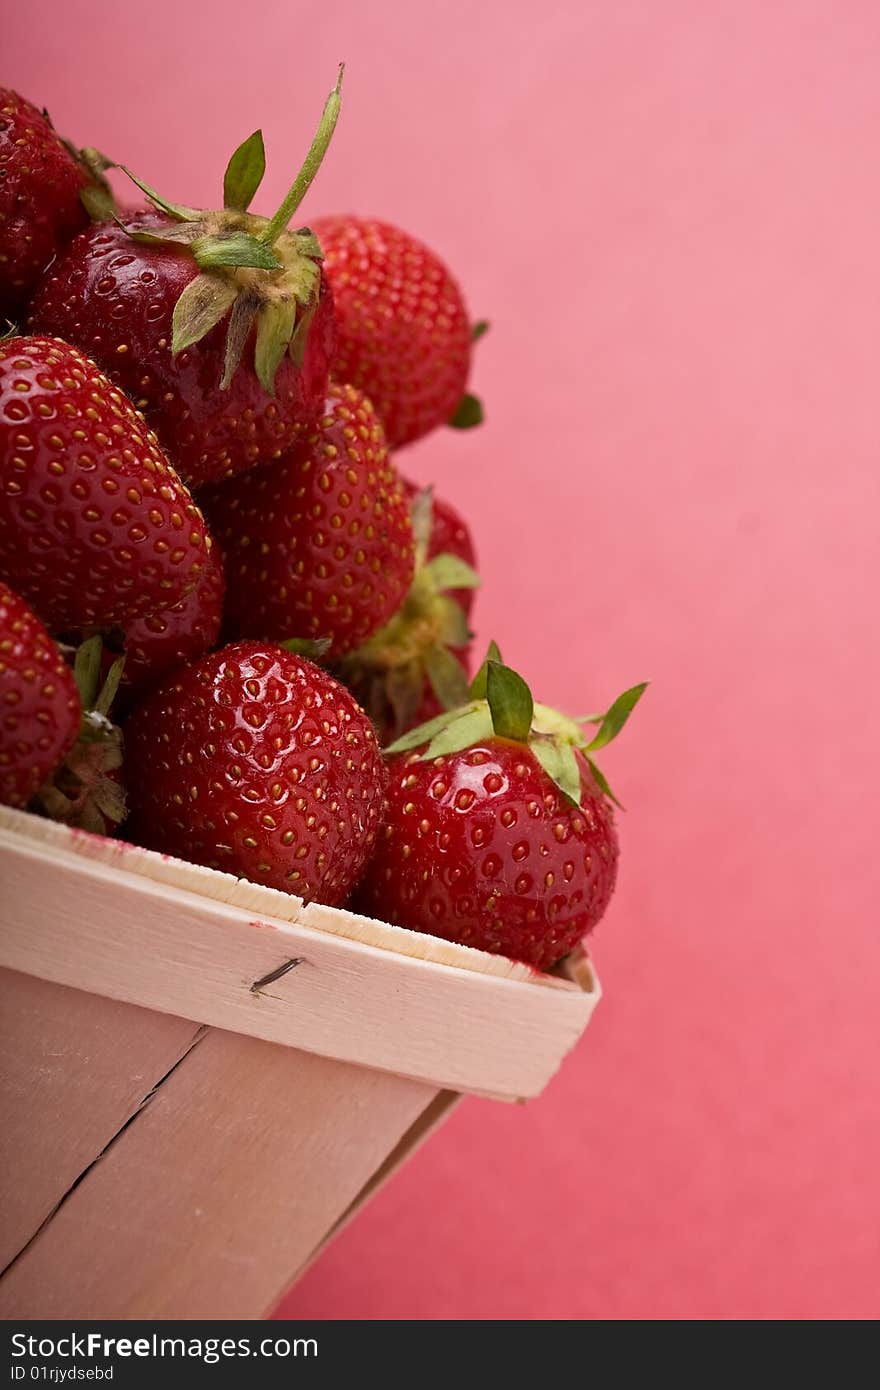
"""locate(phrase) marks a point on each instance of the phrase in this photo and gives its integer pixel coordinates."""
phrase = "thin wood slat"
(225, 1183)
(255, 898)
(74, 1068)
(73, 919)
(431, 1118)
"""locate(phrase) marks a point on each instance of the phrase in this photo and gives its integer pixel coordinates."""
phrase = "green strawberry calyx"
(253, 270)
(418, 644)
(312, 648)
(469, 411)
(500, 705)
(84, 792)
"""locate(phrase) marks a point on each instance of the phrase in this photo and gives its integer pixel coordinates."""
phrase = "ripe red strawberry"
(39, 705)
(320, 544)
(404, 335)
(40, 204)
(157, 644)
(498, 831)
(96, 528)
(59, 753)
(257, 762)
(417, 664)
(218, 324)
(116, 299)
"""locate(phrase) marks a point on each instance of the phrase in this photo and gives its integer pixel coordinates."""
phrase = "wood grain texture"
(74, 1068)
(221, 1187)
(76, 920)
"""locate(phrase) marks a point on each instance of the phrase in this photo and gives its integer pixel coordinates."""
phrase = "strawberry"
(219, 325)
(499, 830)
(59, 753)
(416, 665)
(40, 204)
(96, 528)
(159, 643)
(255, 761)
(320, 544)
(403, 331)
(39, 704)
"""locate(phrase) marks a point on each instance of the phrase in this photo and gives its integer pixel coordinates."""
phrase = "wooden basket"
(202, 1079)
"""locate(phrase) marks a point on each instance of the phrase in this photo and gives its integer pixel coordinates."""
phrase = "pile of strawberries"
(219, 598)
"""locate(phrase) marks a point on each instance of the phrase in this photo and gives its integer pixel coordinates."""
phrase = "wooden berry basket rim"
(113, 919)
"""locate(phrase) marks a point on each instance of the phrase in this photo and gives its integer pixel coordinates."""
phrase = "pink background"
(671, 214)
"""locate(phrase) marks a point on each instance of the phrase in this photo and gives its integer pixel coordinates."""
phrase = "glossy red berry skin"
(156, 645)
(480, 847)
(319, 544)
(96, 527)
(114, 297)
(40, 206)
(39, 706)
(404, 336)
(257, 762)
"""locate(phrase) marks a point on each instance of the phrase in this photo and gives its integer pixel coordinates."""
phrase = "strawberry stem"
(107, 693)
(311, 165)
